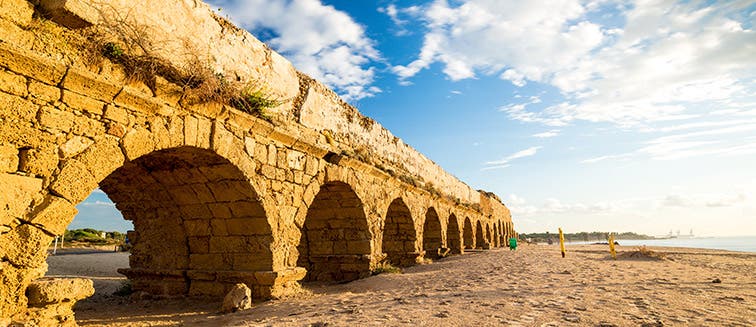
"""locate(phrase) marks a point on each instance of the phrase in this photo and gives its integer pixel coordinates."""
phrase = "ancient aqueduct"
(217, 196)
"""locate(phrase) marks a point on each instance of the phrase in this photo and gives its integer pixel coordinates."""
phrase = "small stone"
(238, 298)
(572, 318)
(442, 314)
(716, 281)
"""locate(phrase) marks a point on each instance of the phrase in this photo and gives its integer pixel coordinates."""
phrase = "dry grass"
(130, 46)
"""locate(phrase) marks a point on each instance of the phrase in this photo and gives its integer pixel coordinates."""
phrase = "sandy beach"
(532, 286)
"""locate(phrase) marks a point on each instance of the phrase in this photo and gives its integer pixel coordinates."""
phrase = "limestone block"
(84, 82)
(17, 195)
(25, 246)
(218, 227)
(137, 102)
(214, 261)
(183, 195)
(102, 157)
(247, 226)
(296, 160)
(176, 131)
(190, 130)
(39, 161)
(56, 290)
(238, 298)
(249, 146)
(44, 92)
(116, 114)
(8, 159)
(83, 103)
(12, 83)
(282, 137)
(17, 11)
(220, 210)
(31, 65)
(196, 211)
(54, 215)
(203, 193)
(228, 244)
(160, 133)
(74, 182)
(208, 288)
(223, 140)
(55, 119)
(272, 155)
(252, 262)
(74, 146)
(137, 143)
(199, 227)
(70, 13)
(16, 108)
(199, 245)
(87, 127)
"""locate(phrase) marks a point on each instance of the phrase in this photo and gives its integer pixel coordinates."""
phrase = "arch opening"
(467, 234)
(479, 238)
(196, 217)
(453, 238)
(489, 240)
(496, 240)
(198, 226)
(432, 234)
(335, 245)
(399, 235)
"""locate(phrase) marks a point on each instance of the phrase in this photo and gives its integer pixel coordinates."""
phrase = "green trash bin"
(513, 243)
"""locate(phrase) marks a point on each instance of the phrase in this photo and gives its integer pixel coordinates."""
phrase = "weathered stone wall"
(217, 196)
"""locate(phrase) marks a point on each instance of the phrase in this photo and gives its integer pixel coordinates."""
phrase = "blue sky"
(586, 115)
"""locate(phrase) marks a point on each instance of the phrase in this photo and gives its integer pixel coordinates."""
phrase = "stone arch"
(432, 233)
(335, 243)
(479, 237)
(453, 235)
(399, 235)
(468, 235)
(196, 217)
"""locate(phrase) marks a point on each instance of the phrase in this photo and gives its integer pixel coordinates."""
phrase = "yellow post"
(561, 241)
(611, 246)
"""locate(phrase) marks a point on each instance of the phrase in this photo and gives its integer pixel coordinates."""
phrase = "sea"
(734, 243)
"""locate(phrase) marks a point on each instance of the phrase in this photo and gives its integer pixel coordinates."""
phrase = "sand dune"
(532, 286)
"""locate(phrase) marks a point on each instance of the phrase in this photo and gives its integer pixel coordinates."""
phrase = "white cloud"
(503, 163)
(607, 157)
(667, 61)
(547, 134)
(321, 41)
(97, 204)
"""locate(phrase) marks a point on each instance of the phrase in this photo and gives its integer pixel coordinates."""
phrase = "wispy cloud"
(97, 204)
(547, 134)
(607, 157)
(505, 162)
